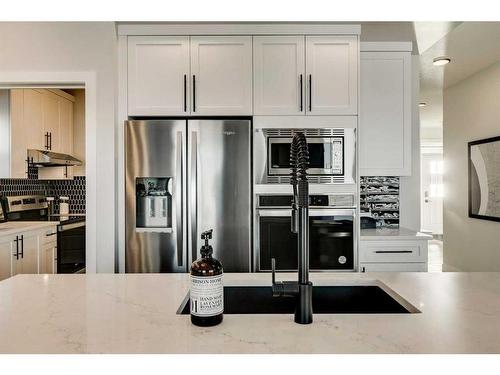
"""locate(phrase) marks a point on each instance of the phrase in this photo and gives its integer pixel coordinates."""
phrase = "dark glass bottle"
(207, 290)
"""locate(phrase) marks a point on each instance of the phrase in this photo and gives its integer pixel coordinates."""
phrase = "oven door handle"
(312, 212)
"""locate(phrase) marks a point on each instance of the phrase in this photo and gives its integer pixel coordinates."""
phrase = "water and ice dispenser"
(153, 204)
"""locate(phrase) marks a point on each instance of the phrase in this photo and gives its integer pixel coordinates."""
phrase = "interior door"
(432, 193)
(219, 181)
(158, 75)
(221, 75)
(279, 75)
(332, 75)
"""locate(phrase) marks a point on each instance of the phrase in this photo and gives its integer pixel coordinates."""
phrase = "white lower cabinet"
(25, 254)
(28, 252)
(394, 267)
(47, 261)
(393, 255)
(5, 258)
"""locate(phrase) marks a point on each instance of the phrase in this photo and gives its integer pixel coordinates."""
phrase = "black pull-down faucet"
(301, 289)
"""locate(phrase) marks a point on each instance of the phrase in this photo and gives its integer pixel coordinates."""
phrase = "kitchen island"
(136, 313)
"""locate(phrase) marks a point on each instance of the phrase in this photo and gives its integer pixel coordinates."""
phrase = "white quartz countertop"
(12, 227)
(136, 313)
(392, 234)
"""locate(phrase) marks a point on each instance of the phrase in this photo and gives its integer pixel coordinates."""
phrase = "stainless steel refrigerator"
(183, 177)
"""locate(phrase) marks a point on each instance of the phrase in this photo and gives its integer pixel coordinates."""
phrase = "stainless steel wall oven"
(331, 226)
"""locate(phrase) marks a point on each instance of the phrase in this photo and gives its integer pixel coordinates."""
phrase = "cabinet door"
(26, 128)
(5, 258)
(51, 119)
(279, 75)
(332, 75)
(47, 258)
(221, 75)
(27, 262)
(385, 116)
(158, 75)
(66, 125)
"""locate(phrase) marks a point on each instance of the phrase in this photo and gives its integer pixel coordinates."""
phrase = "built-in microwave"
(331, 155)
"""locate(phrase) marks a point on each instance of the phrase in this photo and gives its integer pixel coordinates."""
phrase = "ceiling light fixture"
(422, 104)
(440, 61)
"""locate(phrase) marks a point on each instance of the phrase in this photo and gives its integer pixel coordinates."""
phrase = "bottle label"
(207, 295)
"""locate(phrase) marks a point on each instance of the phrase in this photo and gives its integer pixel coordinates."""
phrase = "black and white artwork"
(484, 179)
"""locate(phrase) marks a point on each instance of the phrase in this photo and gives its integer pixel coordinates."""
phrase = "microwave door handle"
(179, 192)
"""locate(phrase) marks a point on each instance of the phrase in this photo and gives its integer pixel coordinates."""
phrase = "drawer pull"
(50, 234)
(393, 251)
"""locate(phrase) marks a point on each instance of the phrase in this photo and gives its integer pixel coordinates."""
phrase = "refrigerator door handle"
(179, 201)
(194, 193)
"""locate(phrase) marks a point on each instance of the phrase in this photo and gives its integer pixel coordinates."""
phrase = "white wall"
(409, 189)
(471, 111)
(76, 46)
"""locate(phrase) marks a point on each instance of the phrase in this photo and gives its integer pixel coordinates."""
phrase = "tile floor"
(435, 256)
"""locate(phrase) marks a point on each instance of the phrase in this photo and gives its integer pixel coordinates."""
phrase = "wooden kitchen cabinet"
(221, 75)
(41, 119)
(158, 75)
(385, 118)
(48, 252)
(47, 262)
(26, 246)
(36, 249)
(306, 75)
(332, 74)
(405, 255)
(5, 258)
(26, 128)
(279, 75)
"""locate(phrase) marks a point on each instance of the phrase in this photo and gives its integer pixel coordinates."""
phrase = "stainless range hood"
(44, 158)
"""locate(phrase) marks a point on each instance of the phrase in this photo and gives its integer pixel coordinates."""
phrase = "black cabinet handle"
(185, 93)
(194, 93)
(46, 136)
(310, 92)
(22, 245)
(50, 141)
(301, 95)
(17, 247)
(393, 251)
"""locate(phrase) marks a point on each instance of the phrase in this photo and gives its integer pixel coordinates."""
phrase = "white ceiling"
(472, 46)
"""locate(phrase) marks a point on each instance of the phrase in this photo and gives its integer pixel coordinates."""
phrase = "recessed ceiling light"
(422, 104)
(440, 61)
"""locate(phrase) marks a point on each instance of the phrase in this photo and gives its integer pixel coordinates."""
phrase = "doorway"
(432, 194)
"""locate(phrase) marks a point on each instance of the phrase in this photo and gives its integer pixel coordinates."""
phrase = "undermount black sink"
(340, 299)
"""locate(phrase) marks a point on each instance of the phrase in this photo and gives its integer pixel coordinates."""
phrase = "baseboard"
(448, 268)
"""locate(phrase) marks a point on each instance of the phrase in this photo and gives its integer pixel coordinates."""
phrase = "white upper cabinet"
(221, 75)
(385, 116)
(332, 75)
(279, 75)
(158, 75)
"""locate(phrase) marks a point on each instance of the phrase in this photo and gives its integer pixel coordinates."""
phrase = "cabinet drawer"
(393, 267)
(392, 251)
(49, 236)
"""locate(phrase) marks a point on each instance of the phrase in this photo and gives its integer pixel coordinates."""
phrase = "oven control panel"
(320, 200)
